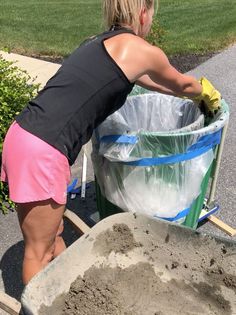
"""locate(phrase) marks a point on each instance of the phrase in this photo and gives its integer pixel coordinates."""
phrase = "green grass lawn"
(47, 27)
(55, 28)
(198, 26)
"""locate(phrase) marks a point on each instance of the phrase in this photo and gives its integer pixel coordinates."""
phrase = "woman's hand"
(210, 98)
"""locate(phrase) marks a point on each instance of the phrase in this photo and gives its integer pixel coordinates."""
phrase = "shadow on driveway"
(11, 265)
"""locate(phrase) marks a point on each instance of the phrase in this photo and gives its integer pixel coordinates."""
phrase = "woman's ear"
(142, 16)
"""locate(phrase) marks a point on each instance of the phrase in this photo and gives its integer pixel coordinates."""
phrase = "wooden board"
(9, 304)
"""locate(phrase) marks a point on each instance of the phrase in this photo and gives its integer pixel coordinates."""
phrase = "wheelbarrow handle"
(76, 221)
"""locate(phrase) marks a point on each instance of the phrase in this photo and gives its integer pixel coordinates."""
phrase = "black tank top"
(88, 87)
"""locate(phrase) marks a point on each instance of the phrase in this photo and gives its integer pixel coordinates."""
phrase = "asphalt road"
(221, 71)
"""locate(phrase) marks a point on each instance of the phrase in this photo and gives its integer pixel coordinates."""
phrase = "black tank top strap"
(116, 27)
(115, 30)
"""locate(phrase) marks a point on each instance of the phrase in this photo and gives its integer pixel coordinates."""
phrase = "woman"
(49, 133)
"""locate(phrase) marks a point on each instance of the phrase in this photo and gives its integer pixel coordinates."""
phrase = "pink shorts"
(34, 170)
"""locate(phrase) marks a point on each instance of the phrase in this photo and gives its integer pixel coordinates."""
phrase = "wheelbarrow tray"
(176, 252)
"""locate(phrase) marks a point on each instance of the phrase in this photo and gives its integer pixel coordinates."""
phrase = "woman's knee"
(41, 224)
(60, 228)
(41, 252)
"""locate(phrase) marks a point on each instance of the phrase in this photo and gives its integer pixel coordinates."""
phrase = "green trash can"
(155, 156)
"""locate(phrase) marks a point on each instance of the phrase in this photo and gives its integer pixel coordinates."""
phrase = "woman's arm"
(149, 66)
(147, 83)
(162, 73)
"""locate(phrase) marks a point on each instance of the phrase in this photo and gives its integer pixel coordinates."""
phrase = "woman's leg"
(40, 223)
(60, 245)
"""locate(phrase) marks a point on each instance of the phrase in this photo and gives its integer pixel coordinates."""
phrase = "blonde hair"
(124, 12)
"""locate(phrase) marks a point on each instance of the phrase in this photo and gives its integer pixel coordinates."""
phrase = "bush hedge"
(15, 92)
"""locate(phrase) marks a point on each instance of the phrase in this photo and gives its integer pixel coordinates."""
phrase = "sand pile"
(164, 283)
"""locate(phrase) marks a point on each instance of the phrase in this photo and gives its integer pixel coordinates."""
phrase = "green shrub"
(157, 34)
(15, 92)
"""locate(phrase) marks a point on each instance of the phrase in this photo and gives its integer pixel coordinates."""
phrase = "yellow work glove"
(209, 99)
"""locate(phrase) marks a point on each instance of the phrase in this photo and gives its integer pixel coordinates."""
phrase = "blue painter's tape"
(119, 139)
(72, 185)
(204, 144)
(207, 140)
(180, 215)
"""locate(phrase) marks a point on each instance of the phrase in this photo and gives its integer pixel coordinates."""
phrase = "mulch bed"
(182, 63)
(185, 63)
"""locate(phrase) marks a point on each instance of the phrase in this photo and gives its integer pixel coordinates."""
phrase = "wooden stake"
(221, 225)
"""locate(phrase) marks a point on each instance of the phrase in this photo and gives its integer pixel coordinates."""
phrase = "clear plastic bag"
(146, 128)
